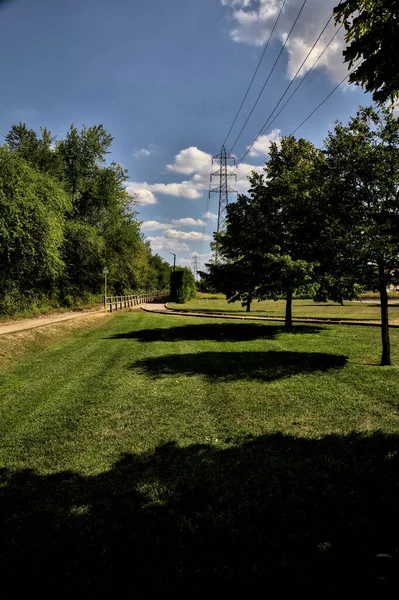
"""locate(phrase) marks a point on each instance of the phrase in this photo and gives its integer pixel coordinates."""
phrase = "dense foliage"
(182, 285)
(372, 28)
(64, 216)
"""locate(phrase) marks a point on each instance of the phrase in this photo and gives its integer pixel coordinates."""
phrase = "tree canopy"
(372, 30)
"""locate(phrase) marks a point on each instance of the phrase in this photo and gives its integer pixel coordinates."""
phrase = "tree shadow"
(231, 366)
(218, 332)
(286, 512)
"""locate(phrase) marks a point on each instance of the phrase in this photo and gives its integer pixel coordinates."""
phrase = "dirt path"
(13, 326)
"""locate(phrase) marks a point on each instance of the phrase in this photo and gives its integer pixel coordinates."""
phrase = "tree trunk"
(249, 300)
(386, 349)
(288, 310)
(341, 301)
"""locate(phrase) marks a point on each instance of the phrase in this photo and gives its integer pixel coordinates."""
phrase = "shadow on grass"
(219, 332)
(308, 514)
(231, 366)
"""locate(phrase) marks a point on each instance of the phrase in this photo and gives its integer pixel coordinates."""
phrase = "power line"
(321, 103)
(290, 84)
(270, 74)
(309, 116)
(302, 80)
(256, 70)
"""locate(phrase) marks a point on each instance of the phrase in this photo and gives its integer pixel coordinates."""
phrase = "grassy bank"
(145, 452)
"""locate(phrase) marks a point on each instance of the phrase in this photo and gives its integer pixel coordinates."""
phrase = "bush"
(182, 285)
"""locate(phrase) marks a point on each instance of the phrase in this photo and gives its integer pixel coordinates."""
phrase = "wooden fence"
(120, 302)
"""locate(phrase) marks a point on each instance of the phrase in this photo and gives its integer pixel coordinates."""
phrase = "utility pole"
(223, 189)
(195, 266)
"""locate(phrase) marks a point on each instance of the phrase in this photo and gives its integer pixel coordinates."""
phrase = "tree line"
(64, 216)
(324, 221)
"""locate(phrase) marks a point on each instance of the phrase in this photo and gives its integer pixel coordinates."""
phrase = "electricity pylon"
(223, 189)
(195, 266)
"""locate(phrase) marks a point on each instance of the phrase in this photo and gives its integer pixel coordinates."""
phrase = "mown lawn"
(158, 453)
(364, 310)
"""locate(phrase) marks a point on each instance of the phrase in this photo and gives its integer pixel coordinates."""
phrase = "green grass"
(157, 453)
(301, 308)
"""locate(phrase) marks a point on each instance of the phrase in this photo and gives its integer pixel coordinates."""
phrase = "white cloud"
(189, 161)
(254, 20)
(154, 225)
(143, 196)
(210, 216)
(189, 221)
(184, 189)
(162, 244)
(262, 145)
(186, 235)
(141, 153)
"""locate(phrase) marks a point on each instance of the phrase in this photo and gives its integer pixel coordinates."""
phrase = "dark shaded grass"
(230, 366)
(218, 332)
(274, 511)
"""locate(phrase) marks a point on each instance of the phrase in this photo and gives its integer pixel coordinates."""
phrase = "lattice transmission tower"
(195, 266)
(223, 189)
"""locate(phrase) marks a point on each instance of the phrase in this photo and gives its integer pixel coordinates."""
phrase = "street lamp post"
(105, 271)
(174, 262)
(173, 279)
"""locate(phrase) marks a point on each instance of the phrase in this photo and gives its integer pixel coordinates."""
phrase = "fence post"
(110, 304)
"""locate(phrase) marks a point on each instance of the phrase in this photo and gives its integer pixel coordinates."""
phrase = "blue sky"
(166, 79)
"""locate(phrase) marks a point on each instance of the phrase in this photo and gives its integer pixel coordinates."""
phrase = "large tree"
(294, 181)
(363, 182)
(269, 247)
(372, 31)
(241, 249)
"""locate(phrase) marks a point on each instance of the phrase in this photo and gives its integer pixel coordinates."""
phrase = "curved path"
(163, 309)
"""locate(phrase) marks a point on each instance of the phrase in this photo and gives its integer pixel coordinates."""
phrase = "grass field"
(216, 303)
(146, 452)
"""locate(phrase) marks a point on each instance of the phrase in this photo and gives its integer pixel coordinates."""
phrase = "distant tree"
(161, 271)
(82, 152)
(372, 28)
(40, 152)
(363, 182)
